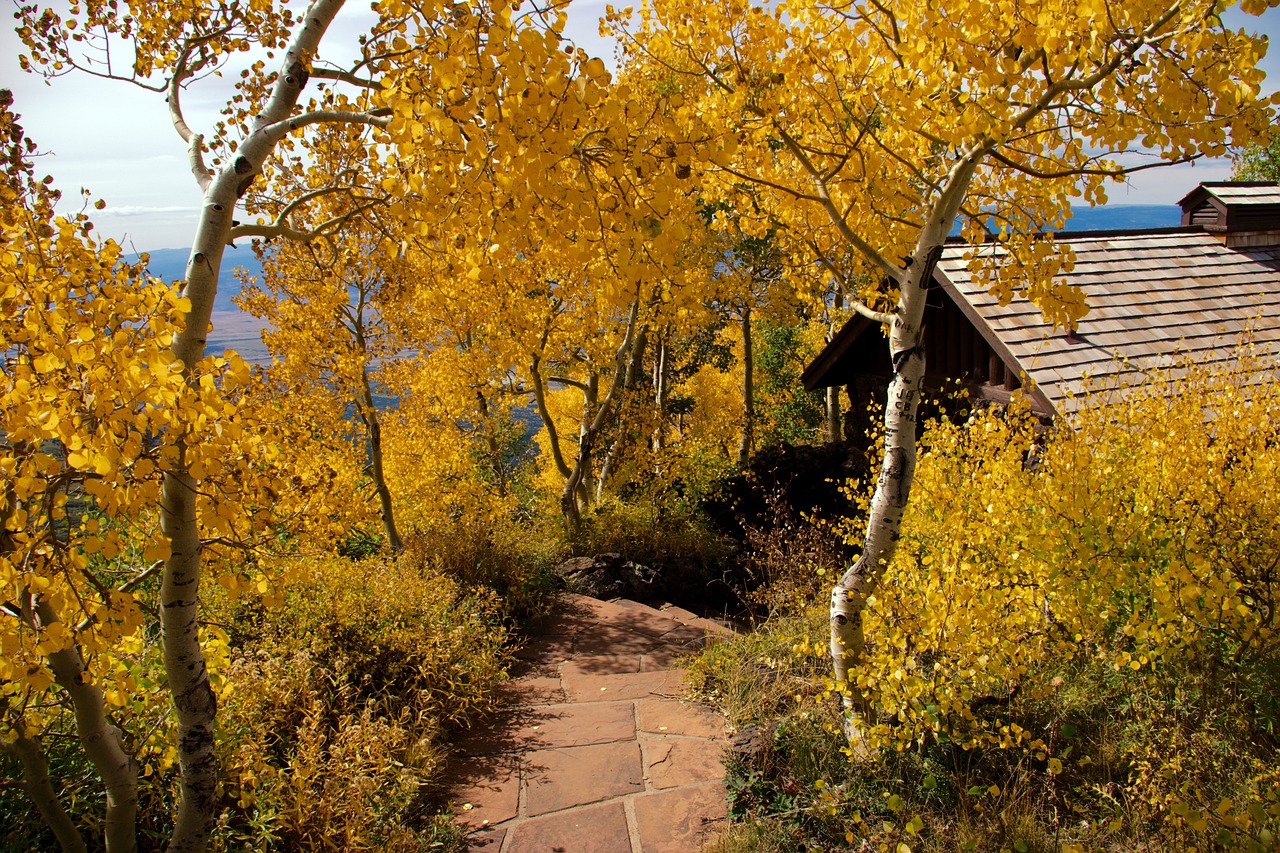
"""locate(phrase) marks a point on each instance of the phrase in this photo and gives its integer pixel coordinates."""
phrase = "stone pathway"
(597, 753)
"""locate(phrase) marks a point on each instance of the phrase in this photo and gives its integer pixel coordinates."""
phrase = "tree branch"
(128, 586)
(344, 77)
(856, 304)
(182, 72)
(35, 781)
(553, 436)
(890, 269)
(571, 383)
(1108, 173)
(273, 133)
(195, 156)
(279, 229)
(1103, 71)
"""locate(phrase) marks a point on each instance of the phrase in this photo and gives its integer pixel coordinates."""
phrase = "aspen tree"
(93, 408)
(870, 129)
(331, 303)
(415, 63)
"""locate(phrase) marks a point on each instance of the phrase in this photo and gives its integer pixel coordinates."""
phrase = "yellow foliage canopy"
(1143, 532)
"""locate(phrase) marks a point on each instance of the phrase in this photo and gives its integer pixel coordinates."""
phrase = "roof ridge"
(1095, 232)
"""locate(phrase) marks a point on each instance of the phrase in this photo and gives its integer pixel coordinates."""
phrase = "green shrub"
(336, 706)
(652, 531)
(511, 555)
(1075, 647)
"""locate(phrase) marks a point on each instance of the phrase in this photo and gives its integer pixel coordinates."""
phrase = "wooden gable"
(958, 348)
(1156, 298)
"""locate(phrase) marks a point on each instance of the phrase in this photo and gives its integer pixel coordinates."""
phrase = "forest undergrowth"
(1074, 649)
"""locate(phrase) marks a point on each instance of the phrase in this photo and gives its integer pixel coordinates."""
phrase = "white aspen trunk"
(576, 478)
(195, 704)
(100, 740)
(897, 470)
(35, 781)
(606, 468)
(586, 443)
(849, 597)
(748, 392)
(634, 366)
(575, 497)
(660, 395)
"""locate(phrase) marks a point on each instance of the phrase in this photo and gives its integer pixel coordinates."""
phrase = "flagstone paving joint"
(599, 701)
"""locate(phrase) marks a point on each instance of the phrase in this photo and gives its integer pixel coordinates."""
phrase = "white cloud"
(140, 210)
(117, 140)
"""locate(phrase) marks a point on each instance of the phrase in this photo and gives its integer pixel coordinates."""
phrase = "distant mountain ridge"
(233, 329)
(171, 265)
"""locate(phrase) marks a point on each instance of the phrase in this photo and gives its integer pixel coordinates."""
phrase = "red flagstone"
(680, 820)
(600, 665)
(672, 761)
(489, 791)
(595, 829)
(603, 640)
(674, 717)
(533, 690)
(596, 751)
(575, 776)
(667, 683)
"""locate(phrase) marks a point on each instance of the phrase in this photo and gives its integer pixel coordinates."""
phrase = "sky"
(116, 139)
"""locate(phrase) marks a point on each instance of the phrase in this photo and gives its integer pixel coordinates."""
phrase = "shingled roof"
(1156, 299)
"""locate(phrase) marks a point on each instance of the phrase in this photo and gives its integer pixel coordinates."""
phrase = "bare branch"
(182, 72)
(782, 188)
(195, 156)
(376, 118)
(856, 304)
(568, 382)
(128, 586)
(287, 212)
(282, 229)
(1118, 172)
(833, 213)
(344, 77)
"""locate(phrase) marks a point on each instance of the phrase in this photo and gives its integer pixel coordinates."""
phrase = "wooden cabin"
(1156, 297)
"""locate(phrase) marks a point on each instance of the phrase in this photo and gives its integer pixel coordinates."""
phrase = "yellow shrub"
(336, 704)
(1141, 537)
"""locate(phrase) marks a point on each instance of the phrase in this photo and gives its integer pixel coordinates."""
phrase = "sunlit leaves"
(94, 408)
(1142, 534)
(841, 126)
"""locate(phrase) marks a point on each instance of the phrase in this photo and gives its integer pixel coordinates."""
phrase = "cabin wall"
(955, 352)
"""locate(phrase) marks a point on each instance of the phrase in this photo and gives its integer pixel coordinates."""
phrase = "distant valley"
(233, 329)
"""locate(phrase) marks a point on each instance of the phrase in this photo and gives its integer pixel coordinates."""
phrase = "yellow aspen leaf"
(157, 549)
